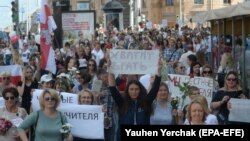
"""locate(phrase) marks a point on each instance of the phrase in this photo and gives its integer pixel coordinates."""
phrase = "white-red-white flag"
(47, 25)
(15, 71)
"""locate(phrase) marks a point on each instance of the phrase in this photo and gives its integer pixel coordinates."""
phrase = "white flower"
(66, 128)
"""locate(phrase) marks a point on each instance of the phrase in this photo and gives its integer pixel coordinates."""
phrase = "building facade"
(153, 10)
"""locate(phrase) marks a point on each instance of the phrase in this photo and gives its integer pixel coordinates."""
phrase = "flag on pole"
(47, 26)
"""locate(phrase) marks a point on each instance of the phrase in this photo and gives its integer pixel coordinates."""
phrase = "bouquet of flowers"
(175, 102)
(65, 130)
(5, 125)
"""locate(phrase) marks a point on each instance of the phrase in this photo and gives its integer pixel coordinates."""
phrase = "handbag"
(32, 133)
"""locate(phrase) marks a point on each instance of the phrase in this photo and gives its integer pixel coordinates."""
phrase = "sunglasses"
(207, 72)
(49, 99)
(6, 78)
(231, 79)
(91, 65)
(11, 98)
(182, 67)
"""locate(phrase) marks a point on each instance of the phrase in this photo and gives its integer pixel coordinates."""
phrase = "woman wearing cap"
(48, 115)
(46, 81)
(12, 112)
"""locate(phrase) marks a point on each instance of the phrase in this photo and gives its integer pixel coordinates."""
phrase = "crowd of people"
(126, 99)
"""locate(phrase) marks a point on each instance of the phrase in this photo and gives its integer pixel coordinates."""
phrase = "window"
(144, 4)
(83, 6)
(198, 1)
(227, 1)
(169, 2)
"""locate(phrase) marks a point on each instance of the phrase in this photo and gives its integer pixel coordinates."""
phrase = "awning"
(222, 13)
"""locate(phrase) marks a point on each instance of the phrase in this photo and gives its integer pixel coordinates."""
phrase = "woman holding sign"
(85, 97)
(48, 115)
(11, 112)
(135, 107)
(231, 89)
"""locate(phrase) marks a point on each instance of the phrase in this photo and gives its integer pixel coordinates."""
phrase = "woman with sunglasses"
(231, 89)
(179, 68)
(48, 115)
(12, 112)
(92, 68)
(6, 81)
(207, 71)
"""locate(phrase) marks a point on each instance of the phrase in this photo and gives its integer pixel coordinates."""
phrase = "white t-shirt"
(210, 120)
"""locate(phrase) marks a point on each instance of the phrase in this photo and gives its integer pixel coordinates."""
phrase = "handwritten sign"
(204, 84)
(82, 117)
(240, 110)
(66, 98)
(134, 61)
(88, 118)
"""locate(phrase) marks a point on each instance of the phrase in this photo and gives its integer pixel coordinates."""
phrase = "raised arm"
(114, 92)
(20, 88)
(154, 90)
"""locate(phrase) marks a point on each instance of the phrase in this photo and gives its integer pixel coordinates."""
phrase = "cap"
(46, 78)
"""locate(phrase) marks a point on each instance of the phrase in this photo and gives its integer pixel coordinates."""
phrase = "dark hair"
(64, 82)
(102, 63)
(85, 76)
(67, 60)
(100, 72)
(141, 99)
(67, 44)
(10, 90)
(192, 66)
(95, 65)
(192, 58)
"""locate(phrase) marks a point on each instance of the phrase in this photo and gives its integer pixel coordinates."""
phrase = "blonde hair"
(191, 89)
(82, 92)
(53, 94)
(227, 61)
(203, 102)
(238, 86)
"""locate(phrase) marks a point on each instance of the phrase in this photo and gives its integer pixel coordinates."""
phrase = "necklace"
(16, 111)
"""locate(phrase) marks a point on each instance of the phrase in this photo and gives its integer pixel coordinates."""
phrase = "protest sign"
(86, 120)
(204, 84)
(82, 117)
(240, 110)
(134, 61)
